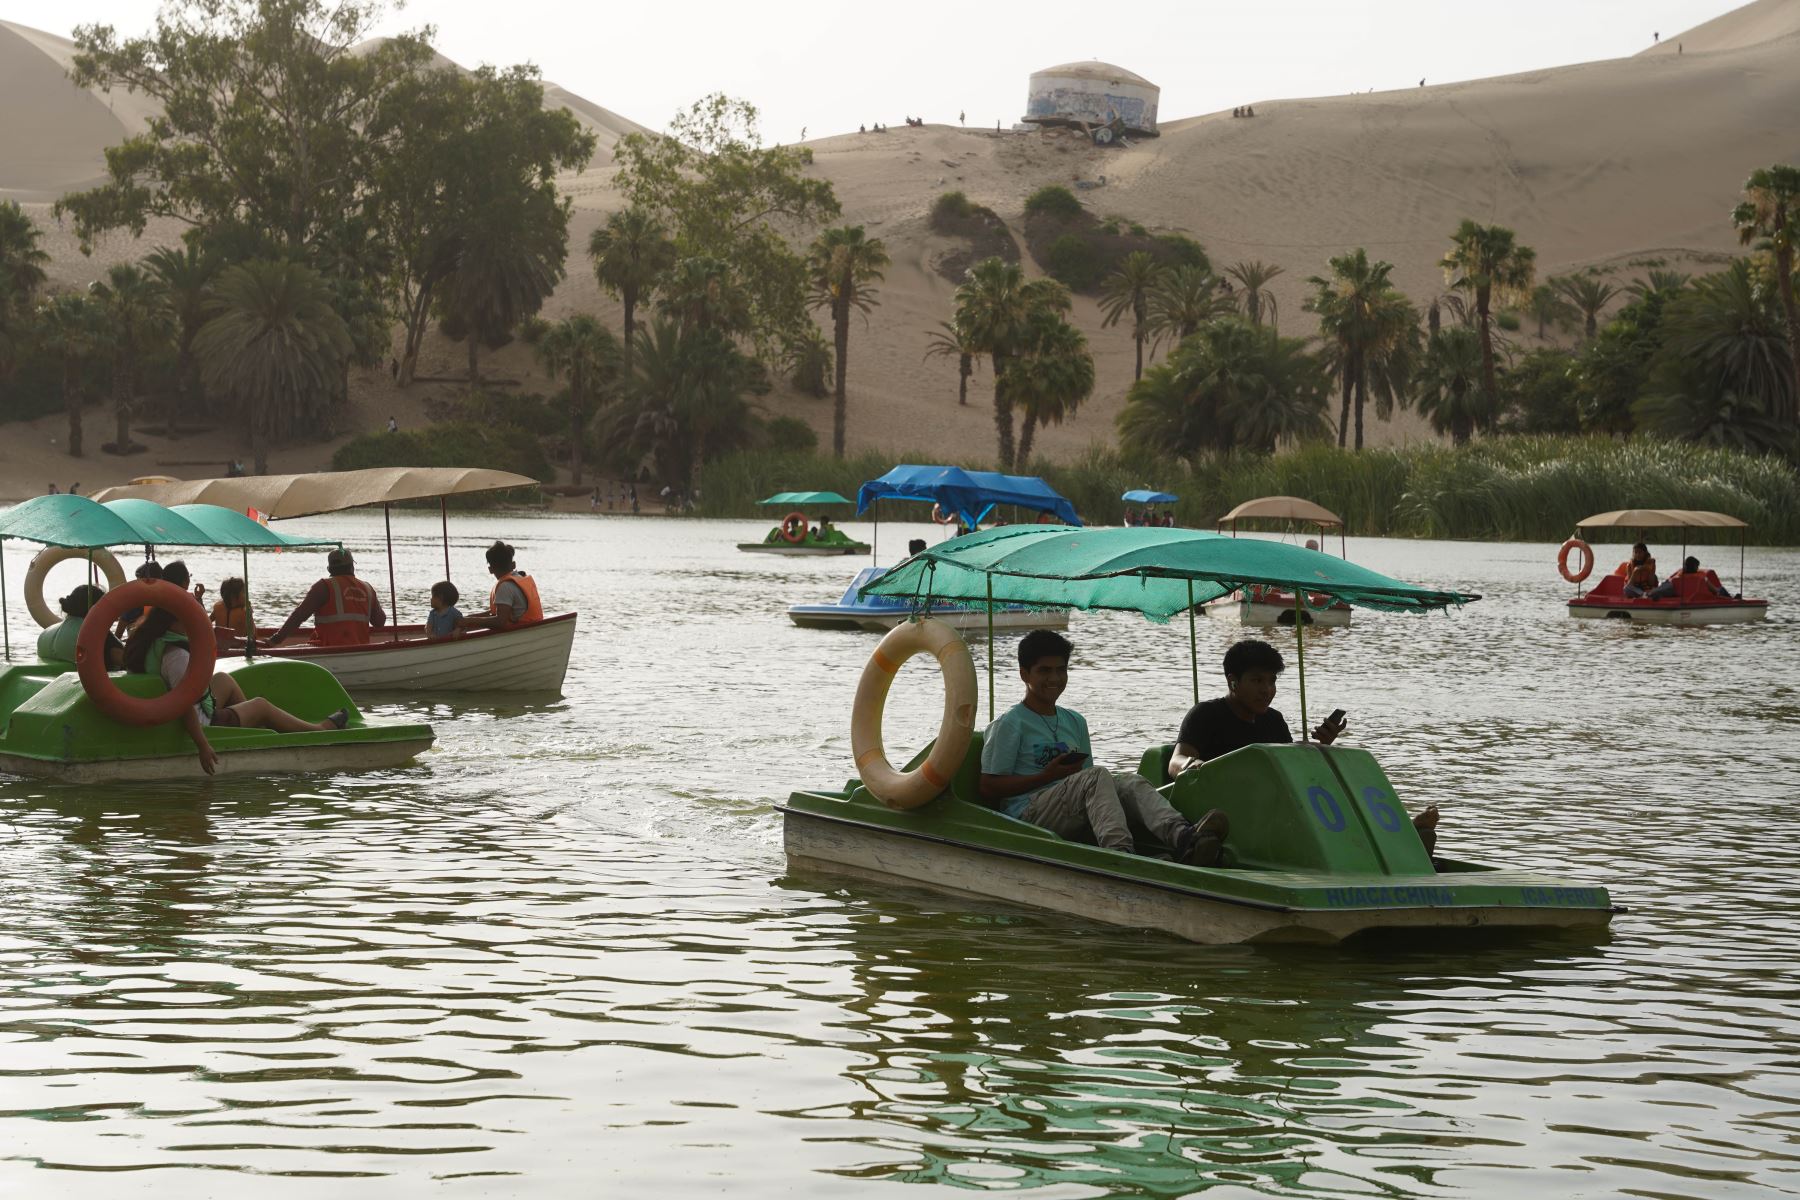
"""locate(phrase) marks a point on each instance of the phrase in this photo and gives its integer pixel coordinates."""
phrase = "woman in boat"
(1640, 573)
(57, 643)
(156, 649)
(1244, 716)
(231, 615)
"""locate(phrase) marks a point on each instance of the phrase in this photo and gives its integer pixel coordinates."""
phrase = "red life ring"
(793, 528)
(942, 518)
(1587, 560)
(90, 653)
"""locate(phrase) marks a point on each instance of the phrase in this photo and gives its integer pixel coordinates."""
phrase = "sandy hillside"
(1617, 164)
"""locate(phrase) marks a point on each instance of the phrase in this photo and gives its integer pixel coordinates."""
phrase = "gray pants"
(1119, 812)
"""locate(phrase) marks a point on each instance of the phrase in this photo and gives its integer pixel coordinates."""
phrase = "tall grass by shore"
(1505, 489)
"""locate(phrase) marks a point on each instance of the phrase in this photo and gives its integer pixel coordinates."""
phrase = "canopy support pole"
(990, 615)
(444, 515)
(6, 632)
(875, 543)
(1300, 654)
(1743, 536)
(387, 521)
(1193, 645)
(249, 621)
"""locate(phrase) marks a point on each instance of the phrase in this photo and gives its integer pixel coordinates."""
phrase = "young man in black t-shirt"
(1243, 717)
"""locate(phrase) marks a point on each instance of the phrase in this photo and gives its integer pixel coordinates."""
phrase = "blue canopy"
(1141, 496)
(969, 494)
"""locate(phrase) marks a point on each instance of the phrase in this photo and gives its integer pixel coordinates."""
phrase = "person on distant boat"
(1035, 765)
(156, 649)
(1690, 569)
(514, 600)
(131, 620)
(916, 546)
(1639, 572)
(1243, 716)
(57, 643)
(232, 612)
(342, 607)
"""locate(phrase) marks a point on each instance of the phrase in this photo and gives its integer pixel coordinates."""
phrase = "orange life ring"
(1587, 560)
(90, 653)
(793, 528)
(943, 518)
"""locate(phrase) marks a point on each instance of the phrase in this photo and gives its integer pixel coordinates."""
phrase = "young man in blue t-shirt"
(1035, 766)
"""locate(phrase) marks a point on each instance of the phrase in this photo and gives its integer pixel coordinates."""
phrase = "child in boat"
(1243, 716)
(1034, 766)
(445, 619)
(57, 643)
(232, 612)
(154, 649)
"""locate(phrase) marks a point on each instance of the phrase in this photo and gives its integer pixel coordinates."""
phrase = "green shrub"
(1074, 260)
(503, 447)
(790, 435)
(1053, 200)
(1180, 250)
(1508, 321)
(948, 208)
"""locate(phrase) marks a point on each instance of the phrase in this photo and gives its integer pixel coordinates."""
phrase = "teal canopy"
(1156, 572)
(797, 499)
(77, 522)
(1145, 496)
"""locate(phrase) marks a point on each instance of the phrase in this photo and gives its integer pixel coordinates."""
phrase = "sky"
(825, 68)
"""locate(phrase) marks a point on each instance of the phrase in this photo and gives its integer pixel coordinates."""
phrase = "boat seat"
(1609, 587)
(1154, 766)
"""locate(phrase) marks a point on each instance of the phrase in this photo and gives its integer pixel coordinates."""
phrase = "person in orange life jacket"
(1709, 581)
(514, 600)
(1640, 572)
(343, 608)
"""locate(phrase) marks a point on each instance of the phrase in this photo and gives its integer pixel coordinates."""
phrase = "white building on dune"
(1092, 93)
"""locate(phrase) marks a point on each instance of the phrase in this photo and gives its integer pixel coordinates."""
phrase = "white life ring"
(49, 557)
(910, 789)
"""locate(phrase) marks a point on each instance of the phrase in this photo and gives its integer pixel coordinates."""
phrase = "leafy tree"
(1547, 307)
(995, 305)
(631, 252)
(275, 344)
(951, 340)
(1127, 290)
(1373, 332)
(1487, 262)
(1539, 393)
(843, 266)
(21, 275)
(1052, 375)
(137, 320)
(726, 196)
(1253, 281)
(507, 259)
(186, 276)
(584, 352)
(1614, 370)
(1232, 385)
(1587, 294)
(1184, 299)
(68, 327)
(1770, 214)
(1448, 384)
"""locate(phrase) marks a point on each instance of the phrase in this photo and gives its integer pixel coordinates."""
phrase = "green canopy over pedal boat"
(797, 536)
(1320, 848)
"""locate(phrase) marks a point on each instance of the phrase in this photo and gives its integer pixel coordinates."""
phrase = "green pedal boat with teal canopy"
(1320, 848)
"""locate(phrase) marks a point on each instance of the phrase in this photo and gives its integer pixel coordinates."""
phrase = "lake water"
(562, 956)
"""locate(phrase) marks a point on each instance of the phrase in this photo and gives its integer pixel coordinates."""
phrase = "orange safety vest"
(534, 608)
(343, 620)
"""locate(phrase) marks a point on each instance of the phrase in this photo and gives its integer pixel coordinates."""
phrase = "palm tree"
(631, 252)
(1184, 299)
(1588, 294)
(844, 265)
(137, 317)
(1547, 307)
(950, 340)
(1128, 289)
(585, 352)
(1770, 213)
(687, 403)
(504, 269)
(275, 344)
(1656, 281)
(1373, 332)
(1724, 339)
(1448, 384)
(1487, 262)
(701, 293)
(186, 276)
(1254, 278)
(995, 304)
(1053, 374)
(68, 326)
(21, 274)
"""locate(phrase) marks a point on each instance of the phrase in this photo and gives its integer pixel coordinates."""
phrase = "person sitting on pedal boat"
(514, 600)
(57, 643)
(1034, 767)
(1243, 716)
(1690, 568)
(1640, 573)
(343, 608)
(156, 649)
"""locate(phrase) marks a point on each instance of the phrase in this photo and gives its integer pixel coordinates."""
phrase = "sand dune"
(1618, 164)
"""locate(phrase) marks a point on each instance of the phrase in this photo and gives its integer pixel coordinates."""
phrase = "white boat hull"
(1697, 614)
(526, 658)
(967, 620)
(1283, 614)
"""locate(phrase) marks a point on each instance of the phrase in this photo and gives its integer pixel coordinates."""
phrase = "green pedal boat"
(50, 728)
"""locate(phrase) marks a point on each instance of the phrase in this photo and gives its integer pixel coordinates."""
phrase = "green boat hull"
(50, 729)
(834, 542)
(1320, 851)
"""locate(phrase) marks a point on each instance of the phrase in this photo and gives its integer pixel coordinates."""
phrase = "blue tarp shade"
(969, 494)
(1140, 496)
